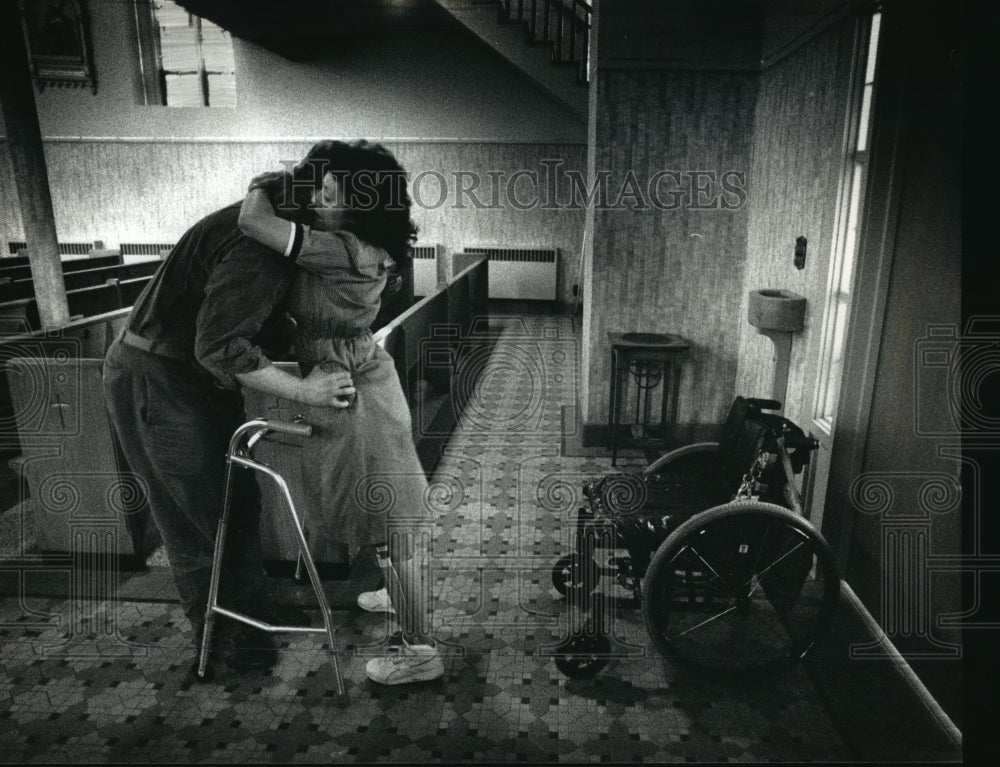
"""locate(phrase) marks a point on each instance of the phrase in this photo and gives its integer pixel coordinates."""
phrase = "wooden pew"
(81, 495)
(78, 480)
(22, 269)
(99, 299)
(20, 316)
(81, 492)
(82, 278)
(425, 342)
(6, 261)
(447, 313)
(83, 338)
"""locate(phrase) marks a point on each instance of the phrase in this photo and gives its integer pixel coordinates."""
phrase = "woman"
(361, 472)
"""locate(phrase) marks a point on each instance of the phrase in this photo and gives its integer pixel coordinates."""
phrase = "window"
(846, 228)
(187, 61)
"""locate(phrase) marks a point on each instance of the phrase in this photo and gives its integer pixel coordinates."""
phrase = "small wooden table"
(652, 359)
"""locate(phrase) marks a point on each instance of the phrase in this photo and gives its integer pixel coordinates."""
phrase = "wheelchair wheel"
(574, 573)
(582, 656)
(741, 590)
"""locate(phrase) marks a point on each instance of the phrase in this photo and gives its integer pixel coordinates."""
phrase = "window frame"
(848, 226)
(152, 74)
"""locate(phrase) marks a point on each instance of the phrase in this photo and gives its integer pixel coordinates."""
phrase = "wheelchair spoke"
(708, 564)
(704, 622)
(789, 590)
(762, 573)
(761, 549)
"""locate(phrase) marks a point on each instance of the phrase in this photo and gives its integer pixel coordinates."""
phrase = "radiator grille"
(424, 252)
(65, 248)
(144, 248)
(525, 255)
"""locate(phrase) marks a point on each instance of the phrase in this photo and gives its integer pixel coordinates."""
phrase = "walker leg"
(305, 558)
(213, 587)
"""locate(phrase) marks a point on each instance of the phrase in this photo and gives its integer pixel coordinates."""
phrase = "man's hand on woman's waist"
(318, 388)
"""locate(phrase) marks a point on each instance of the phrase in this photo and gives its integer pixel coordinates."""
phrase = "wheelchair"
(732, 580)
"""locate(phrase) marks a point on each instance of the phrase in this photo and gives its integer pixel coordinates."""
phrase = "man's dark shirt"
(208, 302)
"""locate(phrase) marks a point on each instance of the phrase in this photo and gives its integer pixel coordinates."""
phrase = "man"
(171, 382)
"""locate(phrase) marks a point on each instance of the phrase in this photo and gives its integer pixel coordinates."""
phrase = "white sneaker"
(375, 601)
(408, 663)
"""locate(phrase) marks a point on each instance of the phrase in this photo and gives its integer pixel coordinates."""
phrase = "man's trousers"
(174, 425)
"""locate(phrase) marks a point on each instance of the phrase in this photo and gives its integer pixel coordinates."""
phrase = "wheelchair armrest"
(681, 452)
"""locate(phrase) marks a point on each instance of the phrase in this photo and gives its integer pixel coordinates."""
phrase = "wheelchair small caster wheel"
(583, 656)
(572, 573)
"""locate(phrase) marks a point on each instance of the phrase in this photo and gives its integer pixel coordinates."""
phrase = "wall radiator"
(135, 252)
(521, 273)
(145, 248)
(65, 248)
(425, 266)
(130, 251)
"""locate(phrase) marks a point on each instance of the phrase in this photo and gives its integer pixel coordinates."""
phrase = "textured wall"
(436, 82)
(678, 270)
(124, 172)
(798, 156)
(149, 191)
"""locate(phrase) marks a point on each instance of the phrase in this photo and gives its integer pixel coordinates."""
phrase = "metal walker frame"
(240, 446)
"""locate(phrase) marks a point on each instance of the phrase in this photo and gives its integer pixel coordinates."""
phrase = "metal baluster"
(560, 10)
(572, 33)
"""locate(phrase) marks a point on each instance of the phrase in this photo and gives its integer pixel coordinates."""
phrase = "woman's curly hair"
(375, 189)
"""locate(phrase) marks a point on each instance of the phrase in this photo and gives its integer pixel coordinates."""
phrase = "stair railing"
(563, 24)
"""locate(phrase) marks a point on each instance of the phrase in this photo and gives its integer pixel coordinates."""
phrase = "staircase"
(547, 40)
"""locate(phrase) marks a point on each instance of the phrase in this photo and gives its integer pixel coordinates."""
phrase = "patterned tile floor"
(109, 681)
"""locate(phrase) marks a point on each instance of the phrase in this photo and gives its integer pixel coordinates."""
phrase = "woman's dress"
(361, 474)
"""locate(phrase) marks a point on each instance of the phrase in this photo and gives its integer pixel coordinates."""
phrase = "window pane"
(190, 46)
(217, 48)
(222, 90)
(184, 91)
(836, 360)
(873, 48)
(850, 242)
(169, 14)
(179, 47)
(866, 105)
